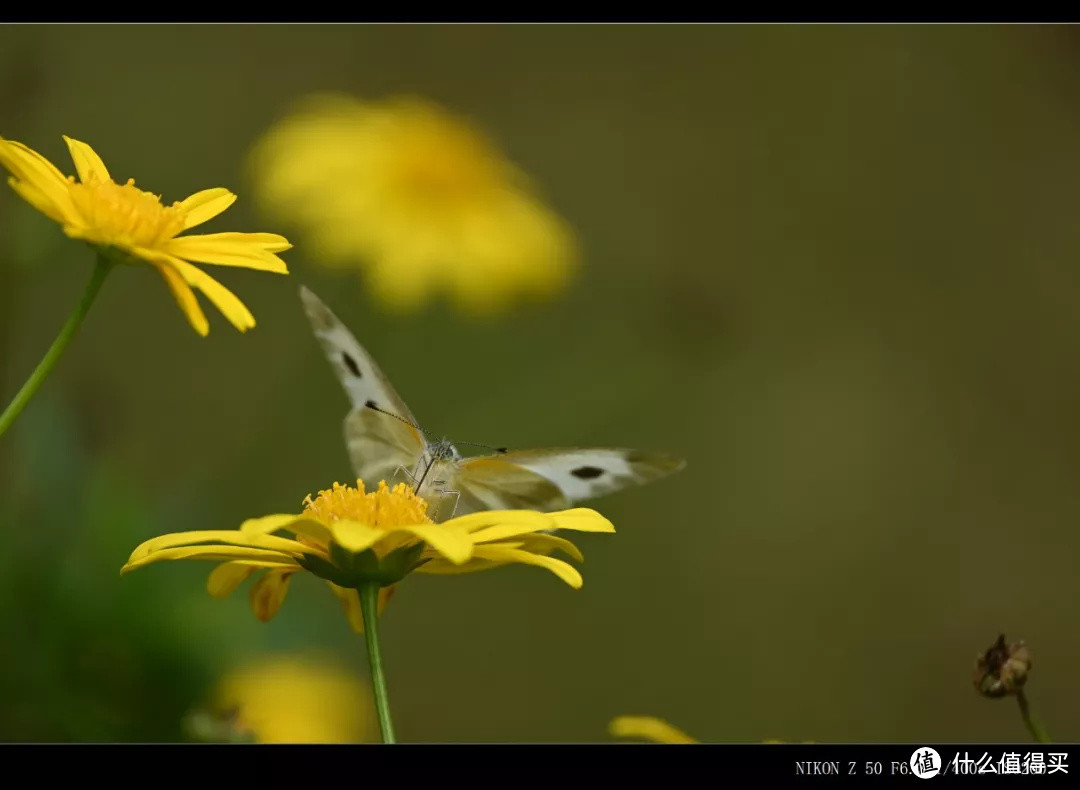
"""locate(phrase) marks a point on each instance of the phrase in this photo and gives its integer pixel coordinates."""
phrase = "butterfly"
(385, 442)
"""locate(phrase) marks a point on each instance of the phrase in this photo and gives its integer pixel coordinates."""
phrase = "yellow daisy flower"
(362, 544)
(350, 538)
(127, 225)
(288, 698)
(417, 198)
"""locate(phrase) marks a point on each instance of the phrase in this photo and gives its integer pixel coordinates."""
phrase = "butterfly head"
(443, 450)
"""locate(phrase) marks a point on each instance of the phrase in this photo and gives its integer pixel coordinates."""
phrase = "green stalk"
(48, 362)
(1037, 732)
(369, 607)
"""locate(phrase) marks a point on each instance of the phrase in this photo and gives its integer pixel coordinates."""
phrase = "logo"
(925, 762)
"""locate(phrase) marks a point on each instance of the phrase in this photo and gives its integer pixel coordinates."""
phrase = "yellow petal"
(354, 536)
(212, 249)
(87, 163)
(205, 205)
(649, 728)
(502, 554)
(230, 537)
(268, 593)
(454, 544)
(225, 578)
(545, 544)
(508, 525)
(28, 165)
(582, 519)
(264, 525)
(38, 199)
(209, 552)
(312, 530)
(224, 299)
(88, 234)
(185, 297)
(493, 525)
(443, 567)
(523, 520)
(350, 602)
(270, 242)
(512, 529)
(309, 528)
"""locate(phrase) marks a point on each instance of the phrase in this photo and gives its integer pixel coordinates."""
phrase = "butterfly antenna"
(423, 477)
(499, 450)
(371, 405)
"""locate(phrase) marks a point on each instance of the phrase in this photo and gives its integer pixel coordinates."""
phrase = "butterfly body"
(385, 443)
(432, 476)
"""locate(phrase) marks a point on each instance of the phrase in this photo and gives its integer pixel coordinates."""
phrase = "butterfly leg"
(403, 475)
(442, 503)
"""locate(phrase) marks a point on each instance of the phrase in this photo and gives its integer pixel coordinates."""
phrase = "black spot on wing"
(350, 363)
(587, 472)
(372, 405)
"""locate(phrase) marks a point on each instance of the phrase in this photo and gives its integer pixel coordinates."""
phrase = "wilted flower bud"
(1002, 669)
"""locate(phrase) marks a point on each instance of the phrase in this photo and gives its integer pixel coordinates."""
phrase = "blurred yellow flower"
(293, 699)
(351, 538)
(128, 225)
(417, 198)
(648, 728)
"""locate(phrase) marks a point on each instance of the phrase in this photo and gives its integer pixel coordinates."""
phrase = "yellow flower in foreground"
(647, 728)
(291, 699)
(349, 538)
(417, 198)
(650, 728)
(128, 225)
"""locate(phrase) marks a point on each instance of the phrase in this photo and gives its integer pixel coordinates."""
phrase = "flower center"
(387, 507)
(124, 215)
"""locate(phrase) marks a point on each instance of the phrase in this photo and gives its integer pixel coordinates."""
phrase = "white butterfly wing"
(528, 478)
(364, 383)
(491, 483)
(378, 443)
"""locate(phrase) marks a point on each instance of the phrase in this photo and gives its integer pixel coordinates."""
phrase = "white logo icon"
(925, 762)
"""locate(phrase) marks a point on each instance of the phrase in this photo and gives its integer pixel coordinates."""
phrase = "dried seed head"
(1002, 669)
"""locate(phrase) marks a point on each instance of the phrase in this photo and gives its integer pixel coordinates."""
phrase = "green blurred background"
(836, 268)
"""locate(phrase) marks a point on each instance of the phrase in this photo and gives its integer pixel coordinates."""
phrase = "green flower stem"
(1037, 732)
(47, 363)
(369, 607)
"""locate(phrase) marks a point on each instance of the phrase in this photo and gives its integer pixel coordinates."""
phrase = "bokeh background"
(836, 268)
